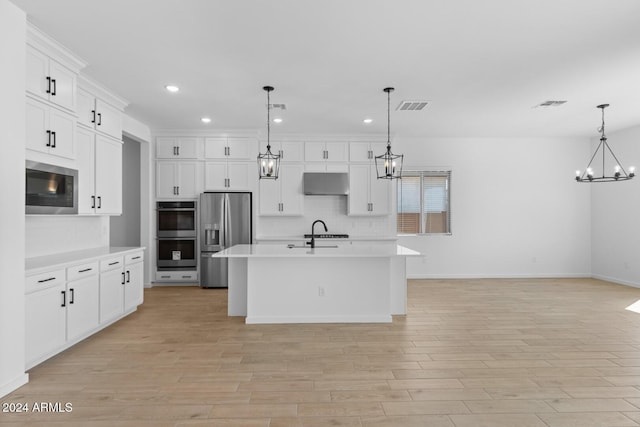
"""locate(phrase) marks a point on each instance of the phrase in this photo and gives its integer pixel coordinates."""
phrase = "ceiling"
(482, 65)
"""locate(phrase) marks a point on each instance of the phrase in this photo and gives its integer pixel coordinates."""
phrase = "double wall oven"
(176, 235)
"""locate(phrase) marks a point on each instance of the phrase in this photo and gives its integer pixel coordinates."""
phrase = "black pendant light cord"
(388, 90)
(268, 89)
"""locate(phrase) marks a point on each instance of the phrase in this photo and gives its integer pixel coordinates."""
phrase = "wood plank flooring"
(525, 353)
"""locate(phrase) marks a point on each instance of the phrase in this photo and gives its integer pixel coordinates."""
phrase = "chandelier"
(268, 163)
(619, 174)
(389, 165)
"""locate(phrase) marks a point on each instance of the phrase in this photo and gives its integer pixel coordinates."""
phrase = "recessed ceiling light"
(205, 120)
(277, 120)
(172, 88)
(367, 121)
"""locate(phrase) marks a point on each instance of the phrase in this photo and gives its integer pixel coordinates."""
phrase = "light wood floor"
(475, 353)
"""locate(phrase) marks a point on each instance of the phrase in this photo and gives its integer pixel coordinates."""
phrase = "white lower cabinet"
(83, 299)
(66, 305)
(45, 315)
(112, 279)
(133, 281)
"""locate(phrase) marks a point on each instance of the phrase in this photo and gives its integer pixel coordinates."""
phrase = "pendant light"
(619, 174)
(389, 165)
(268, 163)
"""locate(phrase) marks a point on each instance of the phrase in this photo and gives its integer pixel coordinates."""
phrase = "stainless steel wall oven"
(176, 235)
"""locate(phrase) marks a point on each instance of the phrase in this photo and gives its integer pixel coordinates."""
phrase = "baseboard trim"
(14, 384)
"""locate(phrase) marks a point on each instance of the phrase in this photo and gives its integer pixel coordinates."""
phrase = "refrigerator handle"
(226, 216)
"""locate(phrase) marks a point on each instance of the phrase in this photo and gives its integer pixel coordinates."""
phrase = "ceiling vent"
(546, 104)
(279, 107)
(411, 105)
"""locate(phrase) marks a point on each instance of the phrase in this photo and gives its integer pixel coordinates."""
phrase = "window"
(424, 202)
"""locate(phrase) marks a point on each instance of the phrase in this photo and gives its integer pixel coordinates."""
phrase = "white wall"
(12, 243)
(516, 208)
(615, 208)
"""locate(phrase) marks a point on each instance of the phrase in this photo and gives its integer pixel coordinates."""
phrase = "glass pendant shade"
(389, 165)
(609, 163)
(268, 163)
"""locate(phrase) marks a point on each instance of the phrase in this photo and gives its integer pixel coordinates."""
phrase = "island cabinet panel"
(326, 290)
(283, 196)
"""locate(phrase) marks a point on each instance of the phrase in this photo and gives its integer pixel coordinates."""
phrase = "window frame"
(423, 173)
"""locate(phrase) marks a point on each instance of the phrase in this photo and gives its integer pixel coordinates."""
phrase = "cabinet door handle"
(53, 92)
(72, 296)
(46, 280)
(122, 278)
(93, 202)
(175, 153)
(48, 138)
(281, 153)
(93, 119)
(136, 257)
(64, 299)
(99, 202)
(54, 139)
(99, 119)
(178, 150)
(48, 84)
(114, 263)
(128, 276)
(85, 270)
(177, 190)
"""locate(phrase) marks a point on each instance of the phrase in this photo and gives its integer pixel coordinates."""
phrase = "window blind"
(424, 202)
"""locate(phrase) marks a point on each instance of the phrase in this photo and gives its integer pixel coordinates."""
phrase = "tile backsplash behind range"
(333, 211)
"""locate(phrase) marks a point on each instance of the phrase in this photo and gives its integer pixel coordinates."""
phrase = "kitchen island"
(327, 284)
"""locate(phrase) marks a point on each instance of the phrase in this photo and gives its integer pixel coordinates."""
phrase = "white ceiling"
(483, 65)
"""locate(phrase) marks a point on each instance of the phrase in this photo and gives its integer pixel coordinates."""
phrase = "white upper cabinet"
(289, 151)
(229, 148)
(177, 179)
(99, 174)
(326, 152)
(283, 196)
(99, 115)
(223, 175)
(368, 195)
(49, 130)
(177, 147)
(49, 80)
(366, 151)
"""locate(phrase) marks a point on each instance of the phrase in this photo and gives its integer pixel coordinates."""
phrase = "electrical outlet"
(320, 291)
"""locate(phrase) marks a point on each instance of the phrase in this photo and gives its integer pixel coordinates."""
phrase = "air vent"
(412, 105)
(279, 107)
(546, 104)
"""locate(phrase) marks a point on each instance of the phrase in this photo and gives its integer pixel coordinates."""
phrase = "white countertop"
(345, 239)
(47, 262)
(382, 250)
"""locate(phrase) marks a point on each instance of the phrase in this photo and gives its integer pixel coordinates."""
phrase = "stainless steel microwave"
(50, 189)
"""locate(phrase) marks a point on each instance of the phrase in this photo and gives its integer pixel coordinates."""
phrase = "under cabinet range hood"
(326, 183)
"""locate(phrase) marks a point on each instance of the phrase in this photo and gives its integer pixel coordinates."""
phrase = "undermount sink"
(292, 246)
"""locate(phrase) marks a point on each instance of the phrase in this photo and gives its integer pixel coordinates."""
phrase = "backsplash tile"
(333, 211)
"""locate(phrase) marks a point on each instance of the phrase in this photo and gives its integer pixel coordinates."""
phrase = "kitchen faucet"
(313, 234)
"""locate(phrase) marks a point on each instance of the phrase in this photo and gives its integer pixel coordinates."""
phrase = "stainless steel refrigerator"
(225, 221)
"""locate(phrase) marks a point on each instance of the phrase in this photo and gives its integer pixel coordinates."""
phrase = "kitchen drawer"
(82, 270)
(44, 280)
(111, 263)
(134, 257)
(176, 276)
